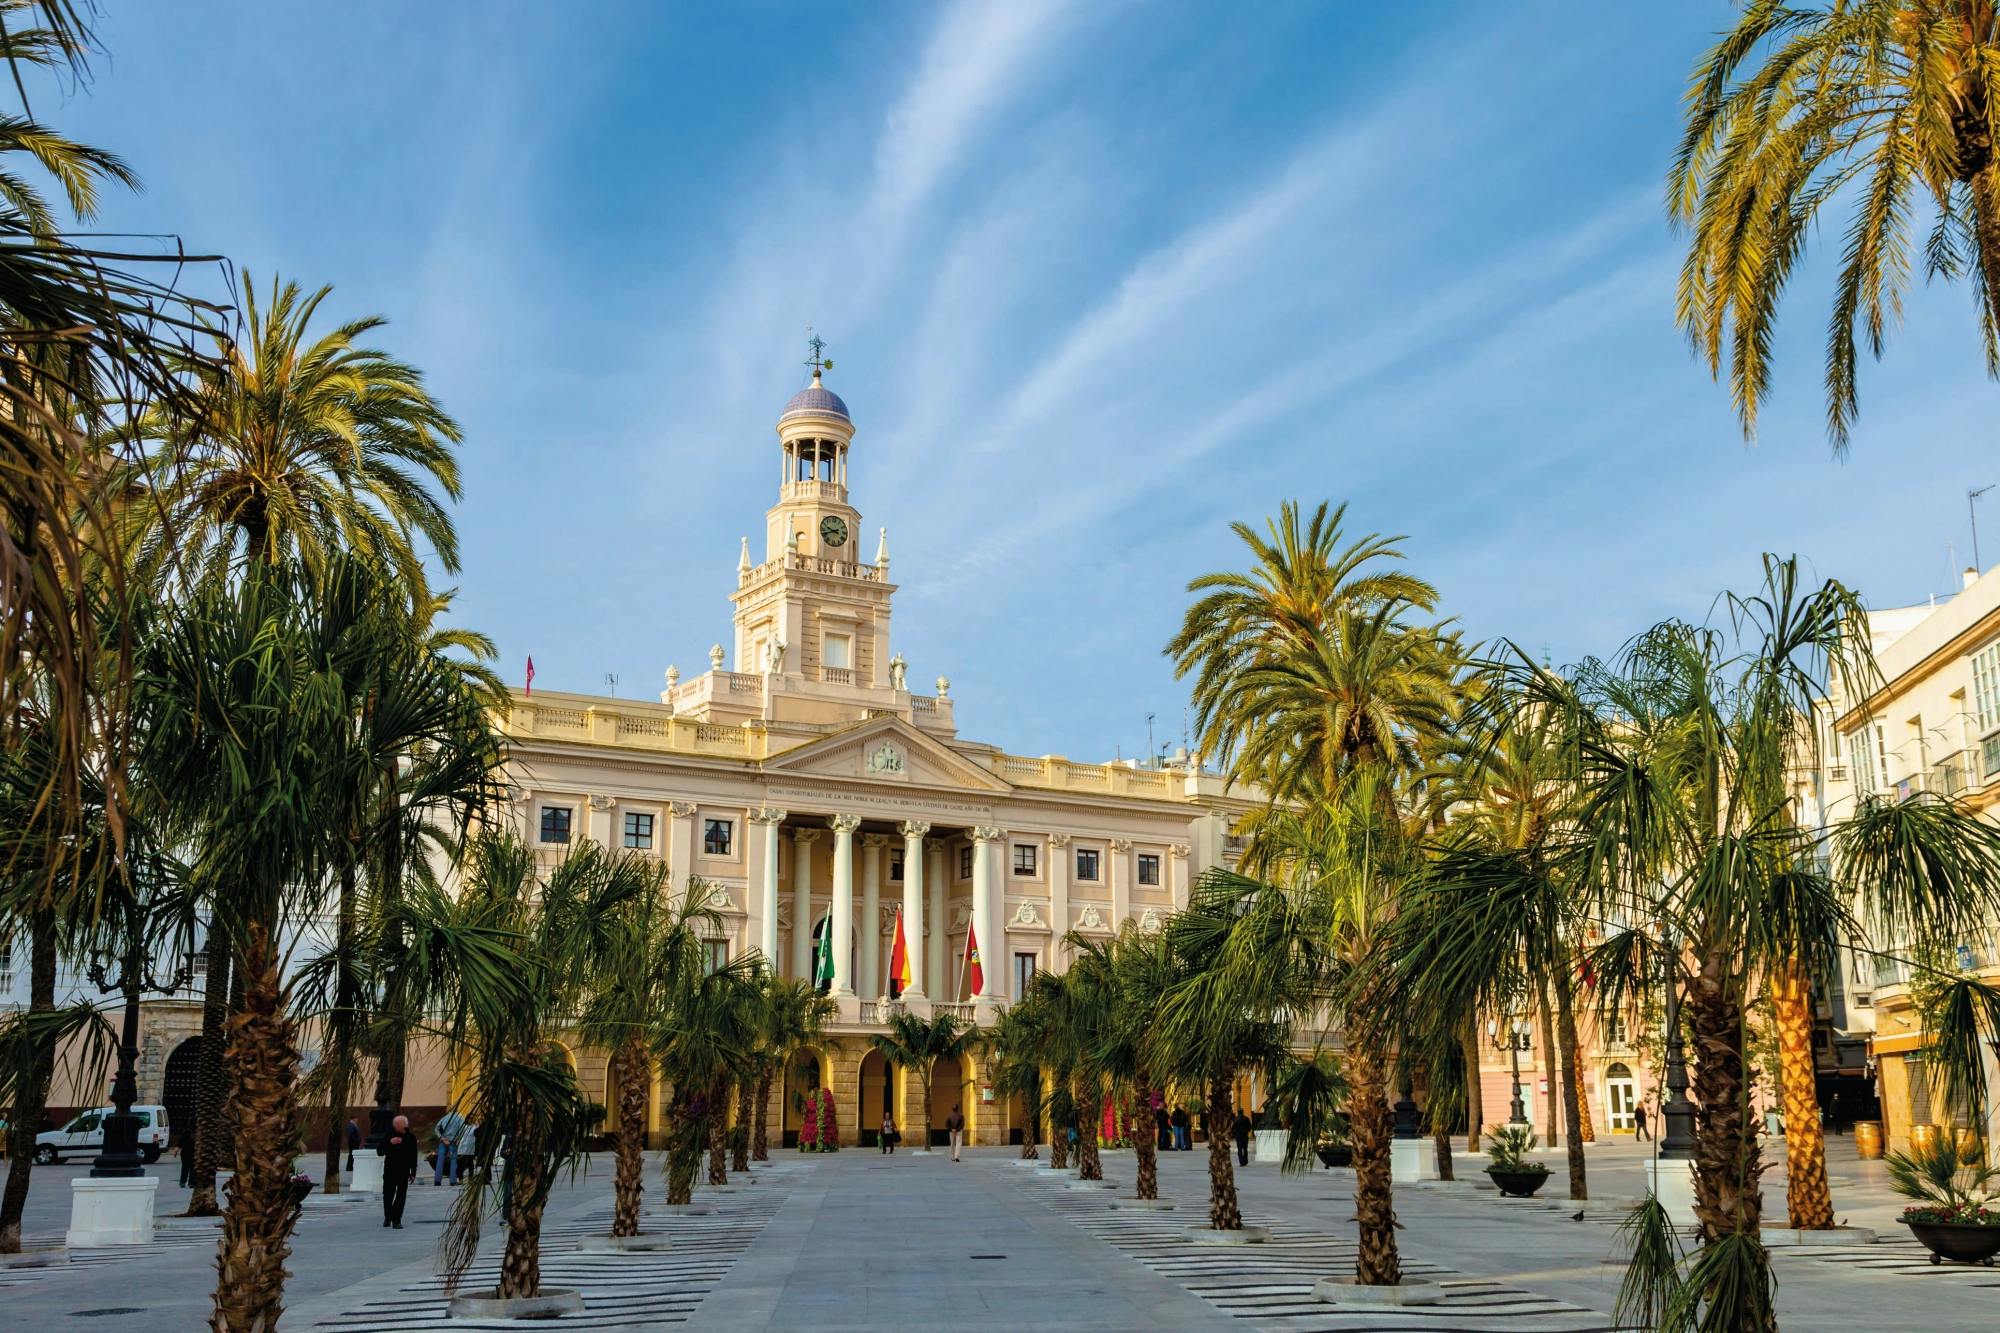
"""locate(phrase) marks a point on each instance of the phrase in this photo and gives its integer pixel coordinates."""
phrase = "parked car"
(85, 1134)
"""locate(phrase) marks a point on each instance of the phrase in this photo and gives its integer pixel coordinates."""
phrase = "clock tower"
(812, 611)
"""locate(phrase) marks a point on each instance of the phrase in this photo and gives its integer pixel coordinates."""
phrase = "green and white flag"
(823, 954)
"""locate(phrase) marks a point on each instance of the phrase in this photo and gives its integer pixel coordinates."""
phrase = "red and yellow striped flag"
(899, 962)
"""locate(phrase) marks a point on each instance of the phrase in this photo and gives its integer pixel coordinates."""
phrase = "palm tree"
(301, 446)
(1887, 103)
(1018, 1043)
(566, 923)
(915, 1045)
(709, 1034)
(793, 1014)
(1244, 962)
(652, 950)
(1140, 968)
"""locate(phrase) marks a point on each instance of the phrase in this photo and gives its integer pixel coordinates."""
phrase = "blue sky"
(1097, 280)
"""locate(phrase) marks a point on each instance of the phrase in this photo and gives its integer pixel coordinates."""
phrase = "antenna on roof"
(611, 683)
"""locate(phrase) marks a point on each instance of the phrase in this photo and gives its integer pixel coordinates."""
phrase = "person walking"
(186, 1150)
(450, 1129)
(353, 1141)
(1639, 1121)
(954, 1125)
(398, 1150)
(888, 1132)
(1163, 1129)
(1182, 1140)
(1240, 1131)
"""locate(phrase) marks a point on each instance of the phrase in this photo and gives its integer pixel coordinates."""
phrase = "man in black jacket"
(399, 1165)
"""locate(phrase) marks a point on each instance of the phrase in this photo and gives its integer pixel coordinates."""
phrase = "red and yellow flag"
(899, 962)
(973, 971)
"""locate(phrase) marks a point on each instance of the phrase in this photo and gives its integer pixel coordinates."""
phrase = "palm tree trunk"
(739, 1133)
(1579, 1187)
(1552, 1106)
(1146, 1182)
(1058, 1140)
(212, 1083)
(1029, 1153)
(1090, 1107)
(257, 1225)
(1376, 1261)
(340, 1030)
(1223, 1213)
(31, 1099)
(1808, 1199)
(1475, 1094)
(1728, 1199)
(925, 1141)
(521, 1261)
(760, 1143)
(1587, 1127)
(628, 1184)
(718, 1111)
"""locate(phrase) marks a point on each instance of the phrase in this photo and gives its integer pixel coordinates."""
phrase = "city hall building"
(805, 778)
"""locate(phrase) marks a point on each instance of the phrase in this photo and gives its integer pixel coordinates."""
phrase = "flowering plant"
(1959, 1215)
(829, 1132)
(809, 1126)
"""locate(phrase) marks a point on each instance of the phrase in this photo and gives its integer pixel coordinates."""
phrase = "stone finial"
(743, 560)
(667, 695)
(882, 548)
(715, 658)
(944, 687)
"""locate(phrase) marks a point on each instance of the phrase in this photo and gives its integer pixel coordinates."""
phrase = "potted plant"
(1333, 1148)
(1512, 1172)
(1954, 1214)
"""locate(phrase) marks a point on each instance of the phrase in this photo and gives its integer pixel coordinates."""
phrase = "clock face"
(833, 530)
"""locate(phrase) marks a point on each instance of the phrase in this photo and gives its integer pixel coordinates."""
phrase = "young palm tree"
(1141, 970)
(793, 1014)
(1244, 963)
(915, 1045)
(708, 1036)
(1882, 105)
(1083, 1005)
(652, 950)
(1017, 1042)
(523, 1087)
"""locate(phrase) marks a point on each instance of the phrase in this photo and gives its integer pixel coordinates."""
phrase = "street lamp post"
(119, 1154)
(1518, 1115)
(1677, 1112)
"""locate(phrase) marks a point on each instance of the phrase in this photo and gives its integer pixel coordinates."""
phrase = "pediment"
(885, 749)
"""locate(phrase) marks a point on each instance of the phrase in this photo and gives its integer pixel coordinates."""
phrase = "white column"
(802, 923)
(843, 902)
(1121, 881)
(984, 840)
(767, 884)
(871, 982)
(680, 843)
(934, 875)
(1177, 875)
(1059, 867)
(913, 906)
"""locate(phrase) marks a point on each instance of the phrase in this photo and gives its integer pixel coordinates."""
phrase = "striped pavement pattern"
(642, 1290)
(1272, 1284)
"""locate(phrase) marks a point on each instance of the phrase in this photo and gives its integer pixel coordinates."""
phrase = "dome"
(816, 401)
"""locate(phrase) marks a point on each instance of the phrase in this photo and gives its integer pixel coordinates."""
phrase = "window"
(838, 651)
(715, 836)
(1149, 868)
(1024, 858)
(1986, 687)
(555, 823)
(638, 830)
(1024, 972)
(1615, 1033)
(965, 862)
(1086, 864)
(1869, 758)
(895, 867)
(6, 967)
(718, 954)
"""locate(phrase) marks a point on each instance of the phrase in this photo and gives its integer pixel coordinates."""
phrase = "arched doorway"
(804, 1074)
(878, 1087)
(951, 1085)
(1621, 1094)
(179, 1086)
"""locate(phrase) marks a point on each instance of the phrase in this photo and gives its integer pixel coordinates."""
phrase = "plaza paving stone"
(856, 1240)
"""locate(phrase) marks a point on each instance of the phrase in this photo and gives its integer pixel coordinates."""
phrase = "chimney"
(1969, 577)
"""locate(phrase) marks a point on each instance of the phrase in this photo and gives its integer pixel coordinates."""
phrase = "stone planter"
(1520, 1184)
(639, 1244)
(1332, 1155)
(1267, 1147)
(1957, 1241)
(1155, 1205)
(552, 1303)
(1346, 1291)
(1240, 1236)
(1776, 1238)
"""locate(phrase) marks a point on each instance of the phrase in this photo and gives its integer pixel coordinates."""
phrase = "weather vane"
(818, 361)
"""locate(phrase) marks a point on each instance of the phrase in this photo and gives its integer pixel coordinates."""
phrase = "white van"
(85, 1134)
